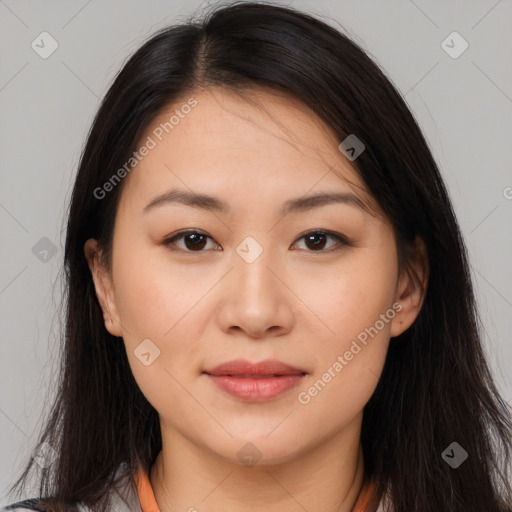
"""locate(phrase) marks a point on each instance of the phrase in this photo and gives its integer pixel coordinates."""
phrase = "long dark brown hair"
(436, 387)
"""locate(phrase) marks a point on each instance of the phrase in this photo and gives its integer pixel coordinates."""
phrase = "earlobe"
(103, 286)
(411, 289)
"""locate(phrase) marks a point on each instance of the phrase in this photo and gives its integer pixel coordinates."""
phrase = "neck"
(327, 478)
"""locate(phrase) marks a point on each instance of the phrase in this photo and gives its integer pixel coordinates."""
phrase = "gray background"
(462, 104)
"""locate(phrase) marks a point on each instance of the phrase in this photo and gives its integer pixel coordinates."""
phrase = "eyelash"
(342, 241)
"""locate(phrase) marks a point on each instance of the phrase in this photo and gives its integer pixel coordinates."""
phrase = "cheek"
(154, 302)
(356, 311)
(349, 362)
(152, 295)
(162, 386)
(354, 300)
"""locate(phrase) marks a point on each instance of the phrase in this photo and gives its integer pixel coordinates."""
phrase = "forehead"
(261, 142)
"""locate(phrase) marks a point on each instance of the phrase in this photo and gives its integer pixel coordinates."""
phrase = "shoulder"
(122, 497)
(21, 505)
(37, 505)
(119, 502)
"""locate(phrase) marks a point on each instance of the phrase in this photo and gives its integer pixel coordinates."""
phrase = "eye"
(195, 241)
(316, 241)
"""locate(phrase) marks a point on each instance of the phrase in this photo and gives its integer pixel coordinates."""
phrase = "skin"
(293, 303)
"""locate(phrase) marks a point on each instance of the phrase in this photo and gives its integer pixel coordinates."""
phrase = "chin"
(259, 449)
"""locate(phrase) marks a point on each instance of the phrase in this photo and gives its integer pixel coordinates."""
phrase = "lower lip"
(256, 389)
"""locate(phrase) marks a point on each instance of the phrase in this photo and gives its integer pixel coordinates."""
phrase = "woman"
(269, 304)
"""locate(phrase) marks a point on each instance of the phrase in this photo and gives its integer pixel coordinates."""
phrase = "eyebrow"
(299, 204)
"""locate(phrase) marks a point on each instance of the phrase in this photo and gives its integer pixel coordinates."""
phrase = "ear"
(411, 288)
(103, 285)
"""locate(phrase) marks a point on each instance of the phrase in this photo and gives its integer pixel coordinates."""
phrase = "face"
(315, 286)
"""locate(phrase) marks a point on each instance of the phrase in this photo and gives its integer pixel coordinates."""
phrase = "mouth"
(246, 369)
(255, 382)
(254, 376)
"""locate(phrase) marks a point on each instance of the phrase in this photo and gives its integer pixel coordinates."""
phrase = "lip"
(255, 382)
(242, 367)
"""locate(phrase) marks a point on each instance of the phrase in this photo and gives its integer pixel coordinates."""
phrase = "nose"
(256, 299)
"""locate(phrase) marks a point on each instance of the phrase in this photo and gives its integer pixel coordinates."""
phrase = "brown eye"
(316, 241)
(194, 241)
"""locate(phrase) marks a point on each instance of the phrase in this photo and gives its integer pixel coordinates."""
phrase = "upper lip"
(244, 367)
